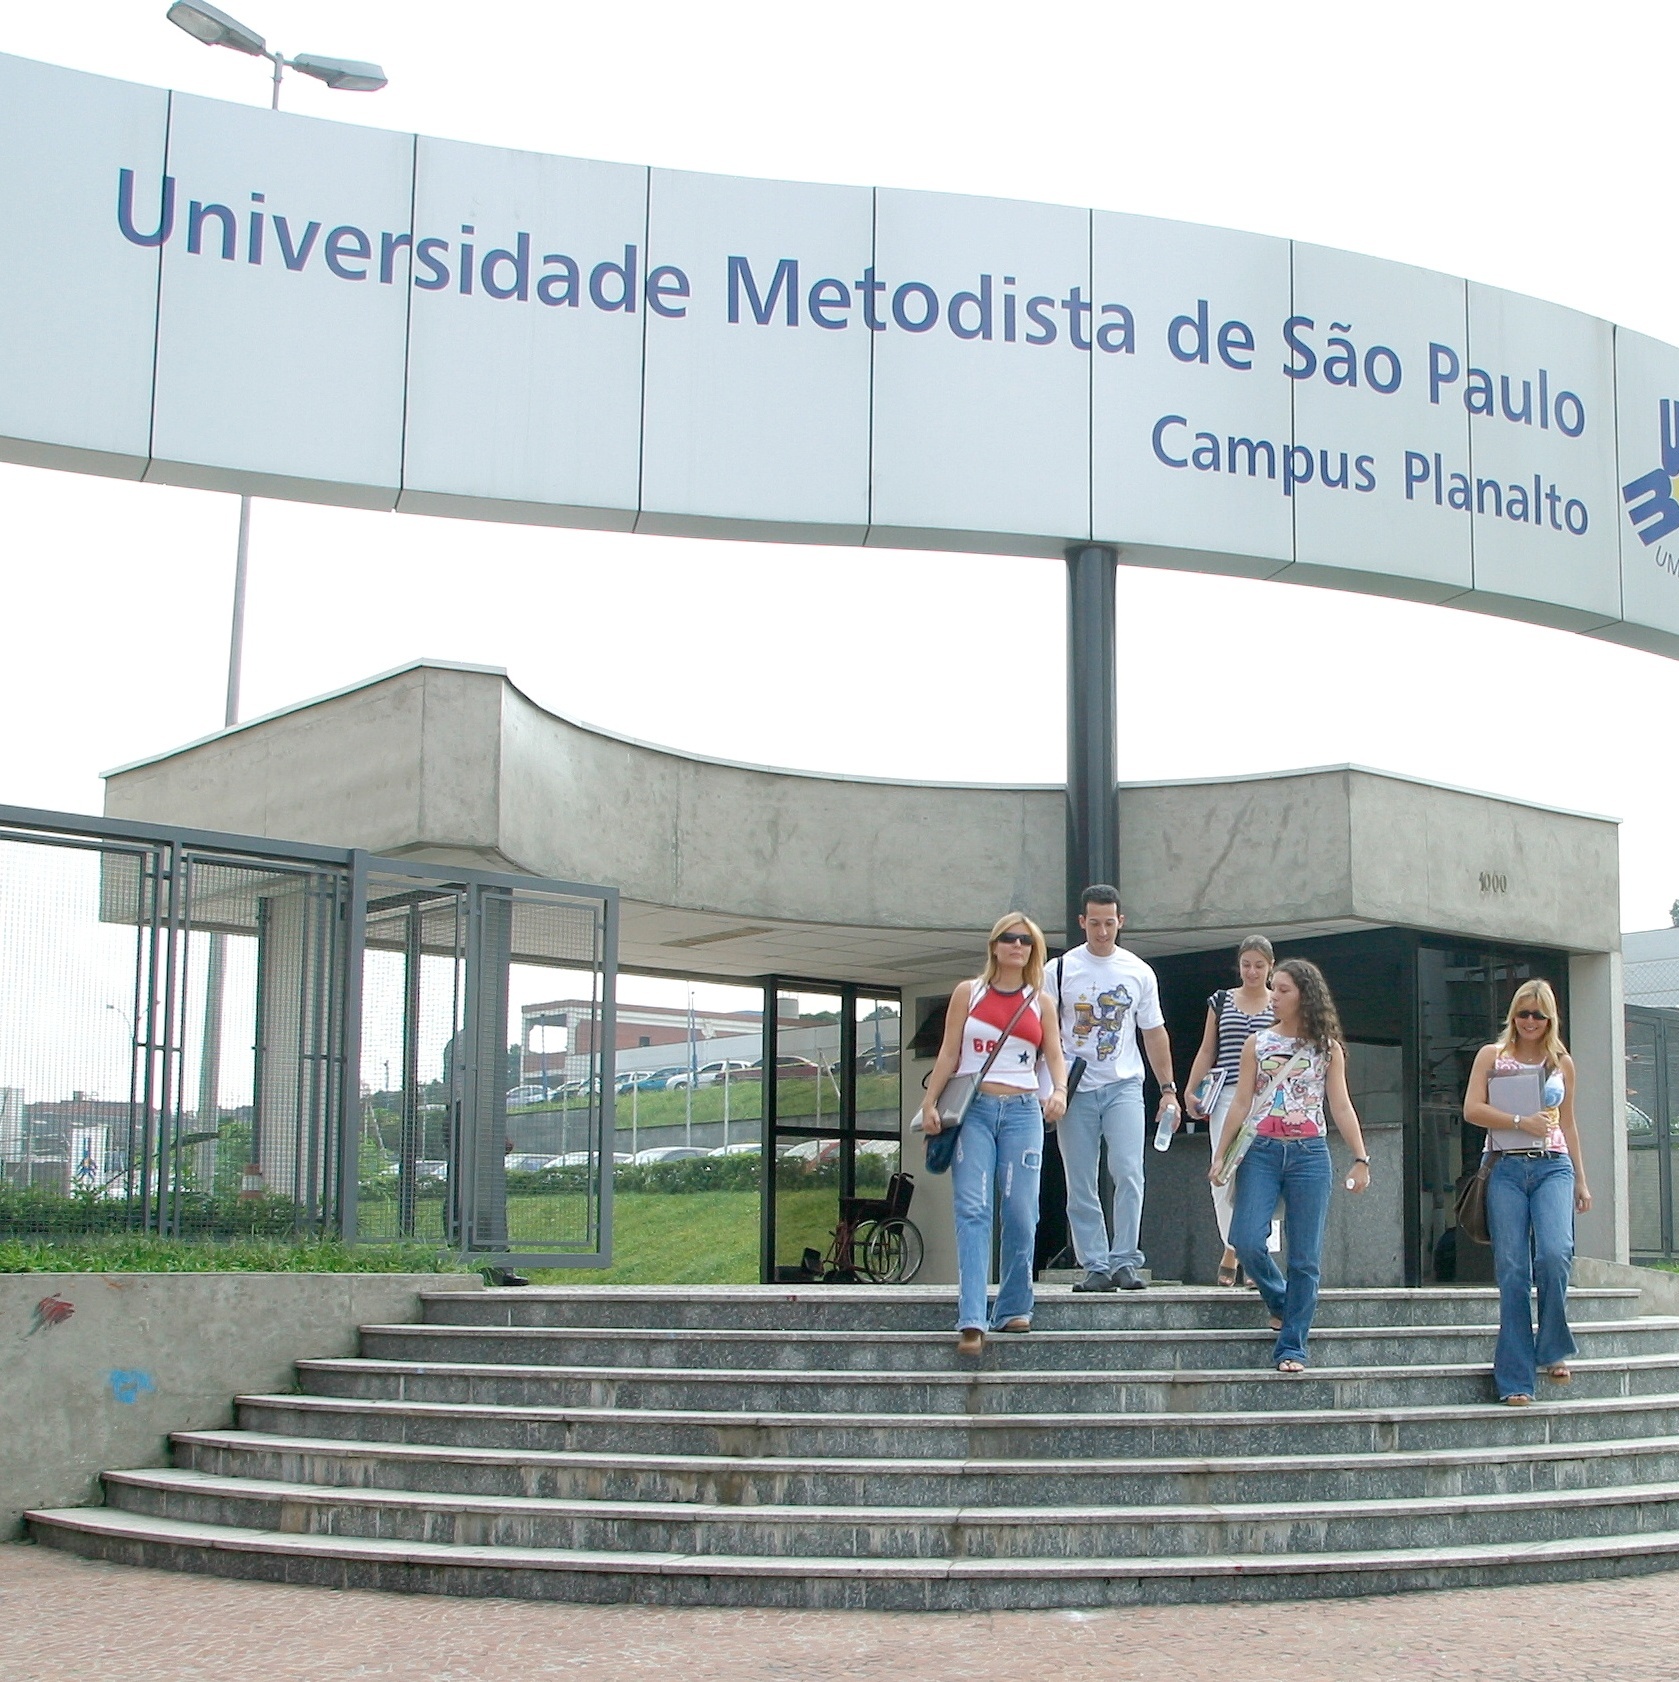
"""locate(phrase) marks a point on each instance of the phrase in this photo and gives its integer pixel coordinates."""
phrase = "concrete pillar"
(931, 1210)
(1092, 723)
(1597, 1037)
(294, 1004)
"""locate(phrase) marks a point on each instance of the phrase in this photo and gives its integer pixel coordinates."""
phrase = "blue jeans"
(1530, 1215)
(1114, 1113)
(999, 1154)
(1300, 1172)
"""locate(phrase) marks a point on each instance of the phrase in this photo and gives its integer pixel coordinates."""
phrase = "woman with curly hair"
(1536, 1185)
(1290, 1074)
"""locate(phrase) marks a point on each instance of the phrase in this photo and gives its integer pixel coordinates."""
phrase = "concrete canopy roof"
(739, 870)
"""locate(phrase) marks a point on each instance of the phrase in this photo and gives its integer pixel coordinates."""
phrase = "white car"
(711, 1074)
(752, 1148)
(668, 1153)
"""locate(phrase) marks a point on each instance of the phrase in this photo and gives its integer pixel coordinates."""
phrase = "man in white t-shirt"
(1107, 998)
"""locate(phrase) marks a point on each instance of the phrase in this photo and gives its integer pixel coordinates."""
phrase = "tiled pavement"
(63, 1618)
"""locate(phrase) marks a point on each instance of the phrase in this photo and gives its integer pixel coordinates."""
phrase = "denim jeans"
(1114, 1113)
(999, 1156)
(1300, 1172)
(1530, 1216)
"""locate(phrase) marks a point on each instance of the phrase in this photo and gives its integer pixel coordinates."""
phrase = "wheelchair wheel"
(889, 1252)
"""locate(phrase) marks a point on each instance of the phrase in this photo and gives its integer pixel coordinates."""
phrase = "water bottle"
(1166, 1124)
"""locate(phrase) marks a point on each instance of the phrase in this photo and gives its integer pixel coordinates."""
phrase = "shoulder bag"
(1472, 1201)
(958, 1094)
(1231, 1156)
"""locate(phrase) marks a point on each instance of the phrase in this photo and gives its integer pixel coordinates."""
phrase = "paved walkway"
(63, 1618)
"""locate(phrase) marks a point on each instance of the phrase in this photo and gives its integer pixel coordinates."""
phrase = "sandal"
(1558, 1373)
(1291, 1366)
(1516, 1401)
(1227, 1276)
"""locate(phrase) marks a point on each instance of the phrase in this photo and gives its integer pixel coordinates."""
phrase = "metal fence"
(215, 1036)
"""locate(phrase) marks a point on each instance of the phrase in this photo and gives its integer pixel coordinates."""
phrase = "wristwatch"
(1364, 1159)
(1168, 1086)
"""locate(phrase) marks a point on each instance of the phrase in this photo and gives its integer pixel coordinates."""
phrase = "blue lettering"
(1037, 313)
(1077, 309)
(1443, 369)
(1363, 466)
(197, 215)
(1113, 336)
(1416, 473)
(125, 210)
(828, 295)
(664, 283)
(389, 245)
(520, 260)
(1307, 359)
(295, 256)
(1159, 448)
(1297, 467)
(351, 243)
(1574, 423)
(1196, 350)
(979, 301)
(624, 272)
(566, 287)
(786, 275)
(433, 265)
(1253, 450)
(929, 306)
(1657, 513)
(1394, 372)
(868, 286)
(1235, 336)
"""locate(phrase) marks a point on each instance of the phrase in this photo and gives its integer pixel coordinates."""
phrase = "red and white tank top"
(988, 1015)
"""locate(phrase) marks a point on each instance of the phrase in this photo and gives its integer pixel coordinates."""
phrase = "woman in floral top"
(1291, 1074)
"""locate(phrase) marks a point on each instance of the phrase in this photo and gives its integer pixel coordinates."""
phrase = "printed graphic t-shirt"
(1103, 1002)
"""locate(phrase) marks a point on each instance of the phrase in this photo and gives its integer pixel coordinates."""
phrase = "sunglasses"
(1015, 939)
(1531, 1016)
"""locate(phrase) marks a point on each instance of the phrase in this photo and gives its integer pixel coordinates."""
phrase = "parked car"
(711, 1074)
(643, 1080)
(531, 1095)
(751, 1148)
(667, 1153)
(789, 1068)
(811, 1152)
(530, 1162)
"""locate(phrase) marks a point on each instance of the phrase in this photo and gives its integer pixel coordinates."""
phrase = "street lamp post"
(215, 28)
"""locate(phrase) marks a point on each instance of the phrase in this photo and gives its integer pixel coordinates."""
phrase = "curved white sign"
(227, 297)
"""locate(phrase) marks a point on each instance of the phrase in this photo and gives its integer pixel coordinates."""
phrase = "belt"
(1563, 1154)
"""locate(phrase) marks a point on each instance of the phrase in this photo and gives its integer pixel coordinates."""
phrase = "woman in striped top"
(1232, 1015)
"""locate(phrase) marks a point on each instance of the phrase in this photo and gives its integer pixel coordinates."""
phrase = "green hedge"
(134, 1252)
(34, 1213)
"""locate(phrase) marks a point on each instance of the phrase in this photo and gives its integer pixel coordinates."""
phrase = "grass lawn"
(699, 1238)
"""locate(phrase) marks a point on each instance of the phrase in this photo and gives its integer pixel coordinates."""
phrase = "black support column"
(1092, 723)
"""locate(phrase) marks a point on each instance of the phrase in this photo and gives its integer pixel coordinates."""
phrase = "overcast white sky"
(1526, 145)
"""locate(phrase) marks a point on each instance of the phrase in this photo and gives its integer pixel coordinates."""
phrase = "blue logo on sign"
(1650, 502)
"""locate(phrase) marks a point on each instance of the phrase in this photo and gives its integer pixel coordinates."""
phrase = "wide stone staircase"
(822, 1446)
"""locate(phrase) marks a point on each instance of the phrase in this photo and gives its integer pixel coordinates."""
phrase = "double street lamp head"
(215, 28)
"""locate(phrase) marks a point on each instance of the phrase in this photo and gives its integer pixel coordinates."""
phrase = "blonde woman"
(1000, 1148)
(1233, 1013)
(1533, 1192)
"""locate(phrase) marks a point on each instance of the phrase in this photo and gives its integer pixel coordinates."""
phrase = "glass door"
(831, 1112)
(1652, 1157)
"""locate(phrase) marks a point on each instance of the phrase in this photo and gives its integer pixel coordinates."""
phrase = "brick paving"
(63, 1618)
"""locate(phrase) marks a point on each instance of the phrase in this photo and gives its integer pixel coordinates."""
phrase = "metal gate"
(265, 989)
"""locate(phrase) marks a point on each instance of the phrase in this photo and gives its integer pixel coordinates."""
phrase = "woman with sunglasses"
(1535, 1187)
(1000, 1148)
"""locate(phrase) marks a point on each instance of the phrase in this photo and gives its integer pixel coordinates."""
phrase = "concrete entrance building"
(1424, 904)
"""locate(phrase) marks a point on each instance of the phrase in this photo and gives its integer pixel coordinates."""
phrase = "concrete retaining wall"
(1660, 1288)
(101, 1367)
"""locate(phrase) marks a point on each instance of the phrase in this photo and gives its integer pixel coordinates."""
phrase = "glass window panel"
(879, 1096)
